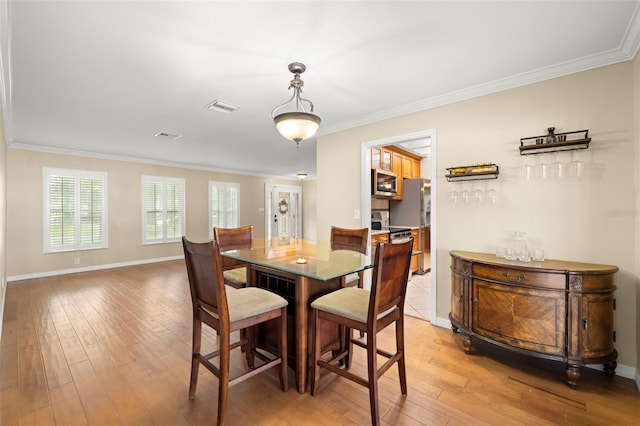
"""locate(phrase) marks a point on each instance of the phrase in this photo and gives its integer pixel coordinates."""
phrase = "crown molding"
(189, 166)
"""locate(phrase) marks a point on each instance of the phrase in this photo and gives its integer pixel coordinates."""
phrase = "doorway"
(283, 212)
(428, 171)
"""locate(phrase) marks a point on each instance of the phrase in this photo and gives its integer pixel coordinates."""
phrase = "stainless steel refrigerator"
(414, 210)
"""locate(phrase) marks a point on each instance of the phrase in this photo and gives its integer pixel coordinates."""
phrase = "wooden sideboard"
(553, 309)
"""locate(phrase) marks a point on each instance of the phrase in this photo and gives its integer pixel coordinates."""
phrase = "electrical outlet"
(356, 214)
(76, 260)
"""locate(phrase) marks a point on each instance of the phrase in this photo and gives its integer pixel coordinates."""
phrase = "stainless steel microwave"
(383, 183)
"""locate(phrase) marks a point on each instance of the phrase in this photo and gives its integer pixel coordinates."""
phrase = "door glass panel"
(284, 213)
(283, 217)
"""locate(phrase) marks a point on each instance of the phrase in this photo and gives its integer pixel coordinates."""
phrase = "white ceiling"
(105, 77)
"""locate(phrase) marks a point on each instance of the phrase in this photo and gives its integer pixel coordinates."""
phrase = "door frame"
(365, 202)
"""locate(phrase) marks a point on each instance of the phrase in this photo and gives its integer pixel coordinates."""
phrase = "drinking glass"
(492, 195)
(454, 197)
(538, 255)
(557, 168)
(541, 170)
(478, 195)
(528, 168)
(465, 195)
(576, 167)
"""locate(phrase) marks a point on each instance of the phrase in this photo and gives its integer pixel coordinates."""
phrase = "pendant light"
(297, 125)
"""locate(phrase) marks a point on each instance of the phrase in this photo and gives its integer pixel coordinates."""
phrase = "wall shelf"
(476, 172)
(555, 142)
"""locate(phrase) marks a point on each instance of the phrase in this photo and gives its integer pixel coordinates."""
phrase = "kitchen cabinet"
(382, 237)
(397, 169)
(416, 247)
(381, 158)
(554, 309)
(410, 167)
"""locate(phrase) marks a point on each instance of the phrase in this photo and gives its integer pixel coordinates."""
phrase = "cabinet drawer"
(520, 276)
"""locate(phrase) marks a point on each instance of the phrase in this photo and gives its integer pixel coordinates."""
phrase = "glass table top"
(312, 259)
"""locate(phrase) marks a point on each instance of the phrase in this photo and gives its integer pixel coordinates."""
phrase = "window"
(162, 209)
(75, 210)
(224, 205)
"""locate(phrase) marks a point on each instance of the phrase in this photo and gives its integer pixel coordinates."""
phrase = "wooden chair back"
(233, 238)
(349, 239)
(204, 269)
(389, 279)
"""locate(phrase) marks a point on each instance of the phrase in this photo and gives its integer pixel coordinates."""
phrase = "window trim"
(224, 185)
(146, 179)
(77, 175)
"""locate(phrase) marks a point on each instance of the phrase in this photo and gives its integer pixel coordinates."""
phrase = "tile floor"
(418, 300)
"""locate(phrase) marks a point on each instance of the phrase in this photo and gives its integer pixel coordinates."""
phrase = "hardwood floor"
(113, 347)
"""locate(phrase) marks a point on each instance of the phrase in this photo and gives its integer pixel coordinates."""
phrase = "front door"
(283, 212)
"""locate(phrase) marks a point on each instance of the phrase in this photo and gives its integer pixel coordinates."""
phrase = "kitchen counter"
(379, 232)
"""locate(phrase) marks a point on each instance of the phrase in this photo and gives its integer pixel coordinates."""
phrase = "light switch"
(356, 214)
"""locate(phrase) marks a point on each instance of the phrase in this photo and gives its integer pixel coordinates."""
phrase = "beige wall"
(586, 220)
(309, 210)
(24, 214)
(3, 216)
(636, 119)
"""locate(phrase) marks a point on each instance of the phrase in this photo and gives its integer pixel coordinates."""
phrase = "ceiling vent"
(165, 135)
(221, 106)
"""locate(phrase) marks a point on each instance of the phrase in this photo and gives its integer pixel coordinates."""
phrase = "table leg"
(302, 332)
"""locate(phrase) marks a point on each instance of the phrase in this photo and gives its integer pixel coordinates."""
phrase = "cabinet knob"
(475, 300)
(512, 280)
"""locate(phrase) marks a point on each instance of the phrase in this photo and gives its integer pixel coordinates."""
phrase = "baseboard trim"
(90, 268)
(621, 370)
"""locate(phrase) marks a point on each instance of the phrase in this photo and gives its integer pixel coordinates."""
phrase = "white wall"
(585, 220)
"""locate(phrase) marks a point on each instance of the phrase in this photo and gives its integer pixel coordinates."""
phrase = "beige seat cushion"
(350, 302)
(249, 301)
(237, 276)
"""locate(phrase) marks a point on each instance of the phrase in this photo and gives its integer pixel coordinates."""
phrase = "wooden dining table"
(300, 271)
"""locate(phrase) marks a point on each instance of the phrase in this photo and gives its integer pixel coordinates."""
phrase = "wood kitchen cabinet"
(381, 158)
(396, 167)
(416, 247)
(557, 310)
(382, 237)
(410, 167)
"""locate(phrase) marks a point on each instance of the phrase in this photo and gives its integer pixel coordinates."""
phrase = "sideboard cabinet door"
(597, 325)
(520, 317)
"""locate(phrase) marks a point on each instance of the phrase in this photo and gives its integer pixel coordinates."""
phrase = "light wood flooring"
(113, 348)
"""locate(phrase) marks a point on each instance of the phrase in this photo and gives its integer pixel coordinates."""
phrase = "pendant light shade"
(299, 124)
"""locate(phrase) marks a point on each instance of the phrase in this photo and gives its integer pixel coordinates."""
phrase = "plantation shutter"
(75, 210)
(163, 209)
(224, 205)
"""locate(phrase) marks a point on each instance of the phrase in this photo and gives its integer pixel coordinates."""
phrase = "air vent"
(221, 106)
(166, 135)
